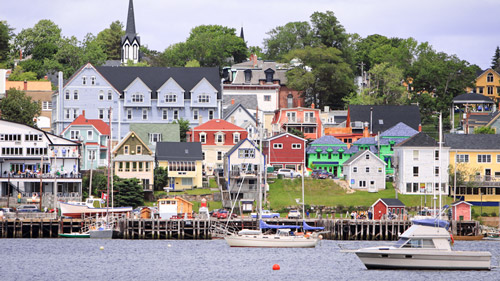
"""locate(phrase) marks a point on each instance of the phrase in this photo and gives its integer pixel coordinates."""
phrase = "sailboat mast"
(107, 182)
(303, 174)
(260, 174)
(439, 170)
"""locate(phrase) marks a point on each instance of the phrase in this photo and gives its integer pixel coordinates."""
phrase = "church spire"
(130, 20)
(242, 36)
(130, 42)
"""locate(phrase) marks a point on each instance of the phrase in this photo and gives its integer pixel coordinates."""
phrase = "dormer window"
(219, 138)
(248, 75)
(203, 98)
(92, 80)
(171, 98)
(203, 138)
(489, 78)
(236, 137)
(269, 75)
(84, 80)
(137, 97)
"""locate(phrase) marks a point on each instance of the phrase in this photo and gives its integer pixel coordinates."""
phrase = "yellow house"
(183, 161)
(488, 84)
(476, 159)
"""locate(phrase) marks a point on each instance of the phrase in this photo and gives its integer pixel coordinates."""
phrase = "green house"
(327, 153)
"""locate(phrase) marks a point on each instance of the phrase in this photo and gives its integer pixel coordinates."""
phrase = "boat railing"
(33, 215)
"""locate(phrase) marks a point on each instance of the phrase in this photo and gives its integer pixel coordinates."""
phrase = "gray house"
(364, 170)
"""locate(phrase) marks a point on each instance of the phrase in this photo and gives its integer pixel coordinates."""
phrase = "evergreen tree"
(128, 192)
(495, 62)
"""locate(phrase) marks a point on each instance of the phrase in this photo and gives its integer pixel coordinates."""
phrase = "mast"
(303, 174)
(107, 182)
(260, 175)
(440, 144)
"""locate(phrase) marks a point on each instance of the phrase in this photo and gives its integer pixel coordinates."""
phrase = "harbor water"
(93, 259)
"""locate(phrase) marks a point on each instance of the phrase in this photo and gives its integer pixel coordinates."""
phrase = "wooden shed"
(384, 206)
(461, 210)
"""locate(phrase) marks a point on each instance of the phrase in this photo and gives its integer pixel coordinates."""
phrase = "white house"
(364, 170)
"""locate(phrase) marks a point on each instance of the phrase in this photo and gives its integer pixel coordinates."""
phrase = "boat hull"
(74, 235)
(102, 233)
(425, 259)
(76, 211)
(270, 241)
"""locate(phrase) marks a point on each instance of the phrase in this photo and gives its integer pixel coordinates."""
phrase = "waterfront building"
(285, 151)
(364, 170)
(328, 153)
(461, 211)
(384, 207)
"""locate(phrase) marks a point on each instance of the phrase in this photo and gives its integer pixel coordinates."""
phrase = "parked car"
(266, 214)
(294, 214)
(322, 174)
(222, 214)
(289, 173)
(214, 213)
(28, 209)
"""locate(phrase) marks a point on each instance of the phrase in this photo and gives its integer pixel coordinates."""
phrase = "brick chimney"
(366, 133)
(232, 101)
(420, 127)
(25, 85)
(312, 105)
(83, 113)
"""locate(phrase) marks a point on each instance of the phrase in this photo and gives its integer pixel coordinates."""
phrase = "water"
(82, 259)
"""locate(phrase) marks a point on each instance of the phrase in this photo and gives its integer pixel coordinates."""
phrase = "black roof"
(386, 116)
(178, 151)
(480, 141)
(420, 139)
(472, 98)
(155, 77)
(392, 202)
(130, 32)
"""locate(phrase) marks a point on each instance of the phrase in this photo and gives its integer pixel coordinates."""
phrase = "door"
(487, 174)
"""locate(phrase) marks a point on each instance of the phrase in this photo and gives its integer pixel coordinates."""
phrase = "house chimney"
(312, 105)
(232, 119)
(232, 101)
(366, 133)
(420, 127)
(327, 109)
(25, 85)
(83, 113)
(200, 120)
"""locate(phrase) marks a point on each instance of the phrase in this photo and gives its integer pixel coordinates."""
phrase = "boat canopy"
(308, 227)
(432, 222)
(264, 225)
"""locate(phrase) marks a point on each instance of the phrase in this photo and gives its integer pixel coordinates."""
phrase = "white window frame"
(145, 114)
(67, 95)
(138, 149)
(277, 146)
(220, 155)
(67, 114)
(91, 155)
(102, 113)
(164, 114)
(46, 105)
(110, 95)
(137, 98)
(236, 138)
(170, 98)
(203, 138)
(90, 135)
(462, 158)
(130, 114)
(267, 97)
(74, 134)
(210, 114)
(204, 98)
(126, 149)
(416, 155)
(84, 80)
(101, 95)
(484, 158)
(498, 158)
(217, 135)
(154, 137)
(196, 114)
(367, 169)
(92, 80)
(354, 169)
(296, 145)
(175, 114)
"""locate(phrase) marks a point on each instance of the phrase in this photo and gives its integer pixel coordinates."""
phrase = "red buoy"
(276, 267)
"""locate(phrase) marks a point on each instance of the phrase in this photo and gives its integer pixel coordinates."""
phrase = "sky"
(469, 29)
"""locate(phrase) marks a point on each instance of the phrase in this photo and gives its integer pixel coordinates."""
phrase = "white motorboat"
(87, 208)
(425, 245)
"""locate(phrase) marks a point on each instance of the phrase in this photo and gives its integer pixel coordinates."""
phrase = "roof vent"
(186, 151)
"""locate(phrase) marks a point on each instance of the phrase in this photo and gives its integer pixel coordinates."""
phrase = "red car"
(222, 214)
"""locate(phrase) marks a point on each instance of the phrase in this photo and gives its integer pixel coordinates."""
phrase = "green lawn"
(325, 193)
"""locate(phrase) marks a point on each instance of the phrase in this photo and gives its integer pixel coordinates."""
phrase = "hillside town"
(238, 128)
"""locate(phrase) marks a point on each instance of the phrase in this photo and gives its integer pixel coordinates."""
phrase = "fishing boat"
(74, 235)
(425, 245)
(79, 209)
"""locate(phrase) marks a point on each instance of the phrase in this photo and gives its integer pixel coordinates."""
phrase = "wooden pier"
(335, 229)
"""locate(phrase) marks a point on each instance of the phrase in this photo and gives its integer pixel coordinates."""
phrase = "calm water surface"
(82, 259)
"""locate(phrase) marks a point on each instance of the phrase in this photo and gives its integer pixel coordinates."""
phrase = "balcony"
(300, 120)
(484, 181)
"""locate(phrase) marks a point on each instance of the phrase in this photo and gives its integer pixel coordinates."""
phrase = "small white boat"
(425, 245)
(87, 208)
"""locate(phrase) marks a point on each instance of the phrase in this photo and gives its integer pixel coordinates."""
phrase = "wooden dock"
(335, 229)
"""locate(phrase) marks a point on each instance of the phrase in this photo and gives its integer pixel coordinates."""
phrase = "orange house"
(461, 210)
(303, 119)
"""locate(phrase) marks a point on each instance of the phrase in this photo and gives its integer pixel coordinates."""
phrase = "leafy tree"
(495, 61)
(485, 130)
(328, 31)
(99, 182)
(45, 31)
(175, 55)
(386, 83)
(323, 75)
(18, 74)
(110, 40)
(256, 50)
(283, 39)
(18, 107)
(296, 132)
(161, 178)
(92, 51)
(183, 127)
(128, 192)
(44, 50)
(152, 57)
(192, 63)
(5, 36)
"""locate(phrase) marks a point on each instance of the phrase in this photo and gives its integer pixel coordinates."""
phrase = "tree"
(386, 83)
(45, 31)
(323, 76)
(128, 192)
(5, 36)
(296, 132)
(495, 61)
(92, 51)
(183, 127)
(161, 178)
(485, 130)
(99, 182)
(18, 107)
(283, 39)
(328, 31)
(20, 75)
(192, 63)
(110, 40)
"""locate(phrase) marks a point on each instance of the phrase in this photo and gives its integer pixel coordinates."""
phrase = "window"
(66, 95)
(75, 95)
(246, 153)
(67, 114)
(219, 155)
(47, 105)
(137, 97)
(101, 95)
(219, 138)
(176, 114)
(187, 181)
(236, 137)
(101, 113)
(74, 134)
(362, 183)
(90, 135)
(144, 114)
(354, 169)
(367, 156)
(484, 158)
(203, 98)
(129, 114)
(210, 114)
(164, 114)
(91, 156)
(203, 154)
(110, 95)
(436, 171)
(138, 149)
(92, 80)
(33, 137)
(195, 114)
(462, 158)
(277, 145)
(309, 117)
(415, 155)
(291, 116)
(171, 98)
(415, 171)
(489, 78)
(126, 149)
(84, 80)
(480, 90)
(134, 50)
(490, 90)
(267, 97)
(380, 170)
(203, 138)
(367, 169)
(436, 155)
(498, 158)
(296, 146)
(154, 137)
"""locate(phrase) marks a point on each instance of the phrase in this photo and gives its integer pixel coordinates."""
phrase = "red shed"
(285, 151)
(461, 210)
(385, 205)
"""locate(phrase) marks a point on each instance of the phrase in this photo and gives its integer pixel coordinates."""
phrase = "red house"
(285, 151)
(306, 120)
(217, 137)
(461, 210)
(384, 206)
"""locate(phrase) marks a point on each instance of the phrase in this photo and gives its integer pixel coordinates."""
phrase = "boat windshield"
(419, 243)
(401, 242)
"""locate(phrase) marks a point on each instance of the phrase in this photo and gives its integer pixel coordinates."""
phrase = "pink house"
(461, 210)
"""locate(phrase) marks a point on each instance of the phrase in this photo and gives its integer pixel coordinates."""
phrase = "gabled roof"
(390, 202)
(386, 116)
(235, 147)
(226, 113)
(127, 137)
(473, 142)
(249, 101)
(460, 202)
(130, 32)
(178, 151)
(360, 154)
(100, 125)
(399, 130)
(51, 138)
(283, 135)
(420, 139)
(482, 119)
(218, 124)
(327, 140)
(155, 77)
(480, 73)
(472, 98)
